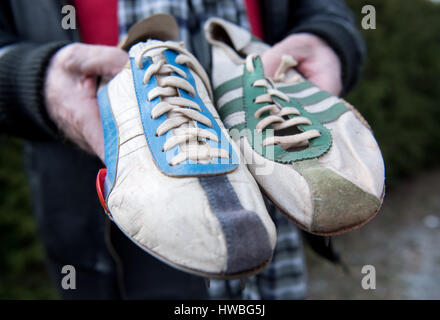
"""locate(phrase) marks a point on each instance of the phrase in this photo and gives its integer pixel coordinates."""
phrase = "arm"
(22, 72)
(49, 90)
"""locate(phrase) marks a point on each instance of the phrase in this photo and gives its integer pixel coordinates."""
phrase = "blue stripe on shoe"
(155, 143)
(247, 241)
(111, 137)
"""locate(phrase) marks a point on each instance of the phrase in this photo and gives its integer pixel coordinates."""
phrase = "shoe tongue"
(138, 47)
(159, 26)
(219, 30)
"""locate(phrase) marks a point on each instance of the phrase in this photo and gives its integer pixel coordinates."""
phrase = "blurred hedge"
(399, 95)
(22, 268)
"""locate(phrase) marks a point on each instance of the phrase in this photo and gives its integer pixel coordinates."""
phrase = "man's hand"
(70, 91)
(316, 60)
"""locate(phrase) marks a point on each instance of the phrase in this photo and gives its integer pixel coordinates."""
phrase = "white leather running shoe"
(173, 183)
(312, 153)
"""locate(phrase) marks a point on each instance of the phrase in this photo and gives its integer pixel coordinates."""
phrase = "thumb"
(327, 81)
(95, 60)
(271, 60)
(92, 131)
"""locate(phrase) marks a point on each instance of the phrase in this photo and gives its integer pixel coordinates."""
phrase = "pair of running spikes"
(188, 191)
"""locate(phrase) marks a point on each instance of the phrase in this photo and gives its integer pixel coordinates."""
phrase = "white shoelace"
(182, 113)
(277, 113)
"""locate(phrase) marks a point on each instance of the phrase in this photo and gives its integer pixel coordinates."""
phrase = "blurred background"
(399, 95)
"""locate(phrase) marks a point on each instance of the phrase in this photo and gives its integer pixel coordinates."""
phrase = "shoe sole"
(216, 276)
(326, 234)
(99, 180)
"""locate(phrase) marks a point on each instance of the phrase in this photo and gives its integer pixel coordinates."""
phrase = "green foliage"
(22, 268)
(399, 92)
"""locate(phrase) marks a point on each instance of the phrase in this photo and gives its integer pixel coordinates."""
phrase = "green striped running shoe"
(311, 153)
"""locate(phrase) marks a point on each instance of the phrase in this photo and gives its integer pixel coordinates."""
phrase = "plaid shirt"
(285, 277)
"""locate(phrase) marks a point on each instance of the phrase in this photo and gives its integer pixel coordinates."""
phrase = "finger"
(93, 133)
(90, 128)
(328, 81)
(271, 60)
(95, 59)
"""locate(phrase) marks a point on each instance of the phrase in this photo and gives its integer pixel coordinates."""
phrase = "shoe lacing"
(278, 115)
(182, 113)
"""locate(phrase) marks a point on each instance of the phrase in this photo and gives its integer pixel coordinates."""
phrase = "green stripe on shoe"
(314, 98)
(228, 86)
(332, 113)
(231, 107)
(239, 126)
(296, 87)
(317, 146)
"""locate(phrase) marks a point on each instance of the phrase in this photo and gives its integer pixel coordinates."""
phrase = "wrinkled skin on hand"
(316, 60)
(70, 91)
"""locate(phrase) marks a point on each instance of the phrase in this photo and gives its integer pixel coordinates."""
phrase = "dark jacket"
(62, 177)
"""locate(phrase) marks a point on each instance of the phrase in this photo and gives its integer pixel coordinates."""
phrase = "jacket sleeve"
(23, 67)
(334, 22)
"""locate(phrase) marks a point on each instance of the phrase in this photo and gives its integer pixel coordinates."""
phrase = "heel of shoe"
(100, 181)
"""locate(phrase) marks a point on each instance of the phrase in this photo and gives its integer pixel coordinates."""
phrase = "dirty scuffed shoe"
(312, 153)
(173, 182)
